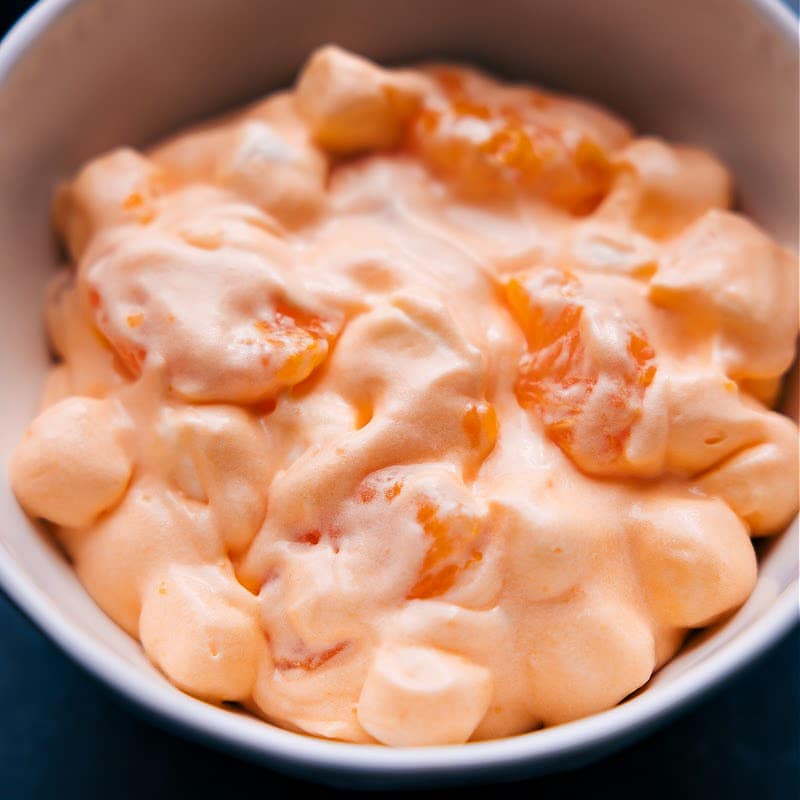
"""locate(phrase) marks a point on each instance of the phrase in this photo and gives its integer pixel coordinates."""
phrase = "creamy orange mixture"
(411, 406)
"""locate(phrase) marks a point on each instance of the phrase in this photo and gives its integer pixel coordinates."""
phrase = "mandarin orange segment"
(480, 424)
(451, 81)
(566, 366)
(434, 584)
(298, 350)
(449, 553)
(451, 527)
(280, 348)
(310, 537)
(132, 357)
(135, 202)
(488, 149)
(132, 201)
(393, 490)
(641, 350)
(220, 329)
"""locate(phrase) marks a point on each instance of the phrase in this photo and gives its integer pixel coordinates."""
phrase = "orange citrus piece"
(451, 550)
(490, 149)
(586, 369)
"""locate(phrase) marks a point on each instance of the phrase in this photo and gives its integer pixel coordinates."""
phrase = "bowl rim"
(263, 742)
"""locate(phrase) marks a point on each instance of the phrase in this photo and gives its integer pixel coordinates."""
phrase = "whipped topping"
(413, 407)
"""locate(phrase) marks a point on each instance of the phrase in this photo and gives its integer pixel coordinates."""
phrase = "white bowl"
(79, 77)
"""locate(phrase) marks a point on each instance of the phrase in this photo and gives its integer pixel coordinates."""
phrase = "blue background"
(62, 735)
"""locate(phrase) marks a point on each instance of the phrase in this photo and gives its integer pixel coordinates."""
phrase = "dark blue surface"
(61, 735)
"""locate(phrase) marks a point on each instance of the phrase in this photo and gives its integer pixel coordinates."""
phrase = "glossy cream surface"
(410, 406)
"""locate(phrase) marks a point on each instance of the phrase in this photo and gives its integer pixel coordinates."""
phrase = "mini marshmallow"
(72, 463)
(115, 189)
(352, 105)
(726, 271)
(760, 482)
(670, 186)
(200, 626)
(695, 560)
(283, 177)
(423, 696)
(593, 652)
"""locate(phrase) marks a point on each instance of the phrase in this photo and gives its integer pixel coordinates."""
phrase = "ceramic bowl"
(79, 77)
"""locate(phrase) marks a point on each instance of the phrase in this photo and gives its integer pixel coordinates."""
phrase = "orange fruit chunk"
(310, 537)
(480, 424)
(581, 353)
(486, 148)
(393, 490)
(449, 551)
(450, 523)
(282, 348)
(296, 344)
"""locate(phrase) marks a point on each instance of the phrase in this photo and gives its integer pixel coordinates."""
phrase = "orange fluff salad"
(413, 407)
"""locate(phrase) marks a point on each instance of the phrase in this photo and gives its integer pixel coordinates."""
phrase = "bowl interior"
(77, 78)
